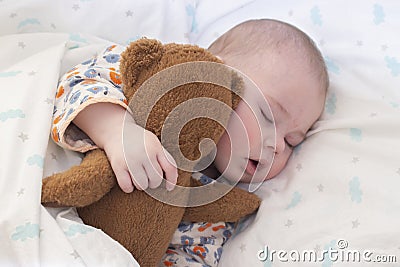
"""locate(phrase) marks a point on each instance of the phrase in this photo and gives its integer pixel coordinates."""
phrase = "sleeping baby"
(289, 74)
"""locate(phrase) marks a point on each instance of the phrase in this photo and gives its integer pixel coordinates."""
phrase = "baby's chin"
(245, 178)
(274, 171)
(249, 179)
(238, 174)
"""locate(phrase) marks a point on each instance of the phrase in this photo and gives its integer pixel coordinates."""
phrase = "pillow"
(339, 190)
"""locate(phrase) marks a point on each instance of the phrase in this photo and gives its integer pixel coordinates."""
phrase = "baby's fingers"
(124, 180)
(139, 177)
(168, 164)
(154, 173)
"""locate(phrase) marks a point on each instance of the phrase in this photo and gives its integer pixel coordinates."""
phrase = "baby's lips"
(263, 167)
(266, 157)
(263, 162)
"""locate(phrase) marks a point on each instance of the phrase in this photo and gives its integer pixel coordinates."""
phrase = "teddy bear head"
(182, 93)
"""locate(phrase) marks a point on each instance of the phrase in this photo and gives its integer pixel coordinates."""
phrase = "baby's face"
(296, 100)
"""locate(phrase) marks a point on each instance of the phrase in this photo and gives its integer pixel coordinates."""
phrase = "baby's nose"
(268, 151)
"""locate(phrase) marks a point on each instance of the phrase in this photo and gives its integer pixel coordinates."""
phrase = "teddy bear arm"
(139, 222)
(80, 185)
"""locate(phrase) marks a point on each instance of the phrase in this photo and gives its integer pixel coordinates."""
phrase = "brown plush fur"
(139, 222)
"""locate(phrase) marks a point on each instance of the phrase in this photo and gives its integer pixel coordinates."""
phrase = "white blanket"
(340, 189)
(30, 234)
(40, 39)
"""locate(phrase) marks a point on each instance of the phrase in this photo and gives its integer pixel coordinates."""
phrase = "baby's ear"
(139, 57)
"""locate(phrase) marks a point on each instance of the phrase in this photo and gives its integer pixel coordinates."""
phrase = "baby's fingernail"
(170, 186)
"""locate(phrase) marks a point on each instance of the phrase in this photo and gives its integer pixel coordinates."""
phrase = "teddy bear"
(143, 224)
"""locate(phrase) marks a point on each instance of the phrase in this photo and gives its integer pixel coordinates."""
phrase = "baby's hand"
(141, 160)
(144, 154)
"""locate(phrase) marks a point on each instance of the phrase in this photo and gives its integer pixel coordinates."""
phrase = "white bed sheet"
(341, 185)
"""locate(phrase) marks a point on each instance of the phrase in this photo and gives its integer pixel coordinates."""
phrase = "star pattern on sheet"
(13, 15)
(373, 114)
(359, 43)
(49, 101)
(289, 223)
(299, 167)
(317, 248)
(290, 13)
(129, 13)
(242, 247)
(398, 171)
(321, 42)
(355, 223)
(74, 254)
(355, 160)
(53, 156)
(320, 188)
(21, 192)
(76, 7)
(32, 73)
(384, 47)
(22, 45)
(23, 136)
(53, 26)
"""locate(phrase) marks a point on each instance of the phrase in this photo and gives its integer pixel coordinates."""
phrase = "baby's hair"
(261, 35)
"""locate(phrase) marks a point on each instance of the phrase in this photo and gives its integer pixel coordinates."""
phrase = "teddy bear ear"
(138, 56)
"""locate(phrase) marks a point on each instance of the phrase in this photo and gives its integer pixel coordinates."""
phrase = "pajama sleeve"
(93, 81)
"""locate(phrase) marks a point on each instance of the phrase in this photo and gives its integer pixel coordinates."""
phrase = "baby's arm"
(146, 154)
(90, 96)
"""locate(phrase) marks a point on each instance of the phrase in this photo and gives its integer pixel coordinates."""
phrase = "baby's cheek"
(223, 152)
(253, 131)
(241, 134)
